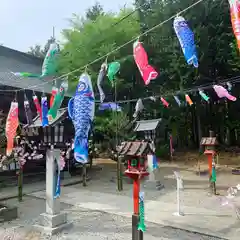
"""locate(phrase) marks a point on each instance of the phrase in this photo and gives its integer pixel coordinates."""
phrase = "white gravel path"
(88, 225)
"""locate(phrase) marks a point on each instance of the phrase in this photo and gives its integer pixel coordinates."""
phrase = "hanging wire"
(187, 90)
(106, 60)
(116, 49)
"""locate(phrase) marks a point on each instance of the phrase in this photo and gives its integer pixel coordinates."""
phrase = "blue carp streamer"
(81, 110)
(186, 39)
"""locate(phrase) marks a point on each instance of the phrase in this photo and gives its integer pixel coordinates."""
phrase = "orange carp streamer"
(11, 127)
(235, 19)
(188, 100)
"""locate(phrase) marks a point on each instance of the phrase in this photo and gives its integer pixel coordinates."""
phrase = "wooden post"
(135, 220)
(212, 185)
(119, 160)
(140, 235)
(20, 183)
(84, 174)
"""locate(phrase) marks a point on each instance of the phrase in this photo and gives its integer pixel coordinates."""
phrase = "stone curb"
(27, 193)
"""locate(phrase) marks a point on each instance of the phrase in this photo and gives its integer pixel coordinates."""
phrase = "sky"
(24, 23)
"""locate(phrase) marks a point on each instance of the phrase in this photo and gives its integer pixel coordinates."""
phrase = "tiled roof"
(147, 125)
(9, 79)
(208, 141)
(15, 61)
(62, 113)
(137, 148)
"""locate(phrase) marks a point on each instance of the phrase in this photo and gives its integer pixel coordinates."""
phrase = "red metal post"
(136, 188)
(210, 159)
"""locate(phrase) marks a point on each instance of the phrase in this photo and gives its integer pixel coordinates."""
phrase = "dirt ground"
(190, 159)
(193, 158)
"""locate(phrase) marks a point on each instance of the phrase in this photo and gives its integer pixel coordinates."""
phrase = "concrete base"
(178, 214)
(65, 175)
(153, 185)
(52, 224)
(8, 213)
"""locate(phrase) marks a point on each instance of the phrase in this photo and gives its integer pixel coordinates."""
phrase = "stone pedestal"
(151, 182)
(53, 220)
(8, 213)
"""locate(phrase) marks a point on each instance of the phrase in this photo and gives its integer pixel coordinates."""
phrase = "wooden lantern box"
(59, 132)
(136, 152)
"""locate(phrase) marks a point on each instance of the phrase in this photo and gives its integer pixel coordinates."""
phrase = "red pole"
(210, 158)
(136, 188)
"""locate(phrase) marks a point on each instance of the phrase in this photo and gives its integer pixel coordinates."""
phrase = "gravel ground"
(88, 225)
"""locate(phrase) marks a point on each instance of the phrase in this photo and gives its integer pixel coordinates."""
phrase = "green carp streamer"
(141, 224)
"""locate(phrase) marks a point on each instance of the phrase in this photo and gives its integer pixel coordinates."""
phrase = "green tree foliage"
(36, 51)
(98, 33)
(40, 52)
(89, 40)
(94, 12)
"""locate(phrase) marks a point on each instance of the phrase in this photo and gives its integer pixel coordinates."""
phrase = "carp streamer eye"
(81, 87)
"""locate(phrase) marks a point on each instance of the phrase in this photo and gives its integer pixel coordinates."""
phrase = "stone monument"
(53, 220)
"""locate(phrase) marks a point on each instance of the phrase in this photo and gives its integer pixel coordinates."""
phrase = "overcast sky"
(24, 23)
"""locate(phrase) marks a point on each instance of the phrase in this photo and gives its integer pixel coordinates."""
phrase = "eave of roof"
(4, 49)
(62, 113)
(147, 125)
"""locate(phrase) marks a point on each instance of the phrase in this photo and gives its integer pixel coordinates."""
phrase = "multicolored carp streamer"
(188, 100)
(177, 100)
(53, 94)
(235, 19)
(186, 39)
(152, 162)
(138, 108)
(49, 66)
(11, 127)
(229, 85)
(81, 110)
(164, 102)
(44, 106)
(58, 180)
(37, 105)
(28, 111)
(110, 106)
(203, 95)
(228, 200)
(153, 98)
(223, 92)
(113, 69)
(101, 75)
(25, 74)
(213, 175)
(147, 72)
(52, 113)
(141, 224)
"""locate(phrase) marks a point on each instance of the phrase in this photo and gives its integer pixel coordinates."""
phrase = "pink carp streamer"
(223, 92)
(164, 102)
